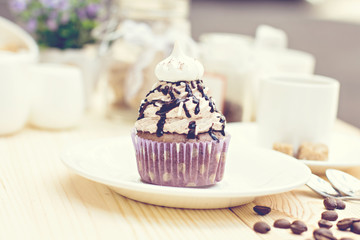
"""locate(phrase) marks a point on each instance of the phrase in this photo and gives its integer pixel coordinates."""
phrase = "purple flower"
(52, 24)
(18, 5)
(92, 10)
(31, 25)
(81, 13)
(56, 4)
(53, 14)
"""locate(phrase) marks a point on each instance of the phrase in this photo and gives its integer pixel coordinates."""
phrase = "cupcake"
(179, 136)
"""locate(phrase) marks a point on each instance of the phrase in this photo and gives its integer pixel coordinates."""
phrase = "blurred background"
(117, 44)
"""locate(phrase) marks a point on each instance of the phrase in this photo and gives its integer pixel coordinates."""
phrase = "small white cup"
(296, 108)
(14, 102)
(14, 91)
(57, 96)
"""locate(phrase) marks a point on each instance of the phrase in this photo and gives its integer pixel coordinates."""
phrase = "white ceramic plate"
(344, 149)
(250, 172)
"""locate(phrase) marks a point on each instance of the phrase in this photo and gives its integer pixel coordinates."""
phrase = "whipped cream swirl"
(179, 103)
(178, 67)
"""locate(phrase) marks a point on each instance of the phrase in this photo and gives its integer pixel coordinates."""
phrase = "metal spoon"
(325, 189)
(344, 182)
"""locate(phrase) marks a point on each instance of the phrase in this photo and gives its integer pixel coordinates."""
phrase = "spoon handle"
(349, 198)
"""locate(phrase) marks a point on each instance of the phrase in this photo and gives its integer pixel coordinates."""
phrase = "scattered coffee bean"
(298, 222)
(282, 223)
(329, 215)
(330, 203)
(325, 224)
(355, 227)
(261, 227)
(340, 204)
(298, 227)
(323, 234)
(262, 210)
(344, 224)
(346, 238)
(355, 219)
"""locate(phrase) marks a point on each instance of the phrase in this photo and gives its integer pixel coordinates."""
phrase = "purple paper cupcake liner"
(180, 164)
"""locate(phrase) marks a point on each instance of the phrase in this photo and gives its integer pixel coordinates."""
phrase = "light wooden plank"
(42, 199)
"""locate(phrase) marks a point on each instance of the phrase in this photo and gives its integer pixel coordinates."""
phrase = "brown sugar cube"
(313, 151)
(284, 148)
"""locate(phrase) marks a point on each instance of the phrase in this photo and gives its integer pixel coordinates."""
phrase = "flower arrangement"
(59, 23)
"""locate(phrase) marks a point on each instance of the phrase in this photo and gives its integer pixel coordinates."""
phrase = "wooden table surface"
(41, 199)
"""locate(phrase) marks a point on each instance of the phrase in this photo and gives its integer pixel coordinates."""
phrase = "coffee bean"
(344, 224)
(300, 223)
(346, 238)
(329, 215)
(330, 203)
(261, 227)
(262, 210)
(323, 234)
(325, 224)
(340, 204)
(282, 223)
(298, 227)
(355, 227)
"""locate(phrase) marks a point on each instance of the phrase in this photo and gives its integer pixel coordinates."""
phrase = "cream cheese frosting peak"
(179, 67)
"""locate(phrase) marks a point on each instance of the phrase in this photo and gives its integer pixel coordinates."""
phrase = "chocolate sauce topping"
(166, 106)
(176, 91)
(192, 127)
(165, 90)
(188, 90)
(223, 130)
(171, 93)
(212, 135)
(197, 109)
(152, 91)
(142, 109)
(186, 111)
(211, 105)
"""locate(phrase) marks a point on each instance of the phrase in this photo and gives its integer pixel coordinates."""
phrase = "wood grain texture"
(41, 199)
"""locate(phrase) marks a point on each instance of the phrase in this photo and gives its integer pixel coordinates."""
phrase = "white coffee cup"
(57, 96)
(14, 102)
(296, 108)
(14, 91)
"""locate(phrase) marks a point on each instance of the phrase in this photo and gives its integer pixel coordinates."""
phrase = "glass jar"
(140, 35)
(226, 58)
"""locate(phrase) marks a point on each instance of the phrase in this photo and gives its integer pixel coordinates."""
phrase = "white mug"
(57, 96)
(14, 94)
(14, 103)
(296, 108)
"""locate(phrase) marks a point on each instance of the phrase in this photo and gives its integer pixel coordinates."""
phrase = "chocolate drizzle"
(211, 105)
(142, 109)
(165, 90)
(165, 108)
(188, 90)
(176, 91)
(197, 108)
(212, 135)
(171, 93)
(171, 89)
(152, 91)
(186, 111)
(223, 130)
(192, 130)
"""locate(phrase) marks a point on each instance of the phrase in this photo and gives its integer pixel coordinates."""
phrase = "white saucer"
(250, 172)
(344, 149)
